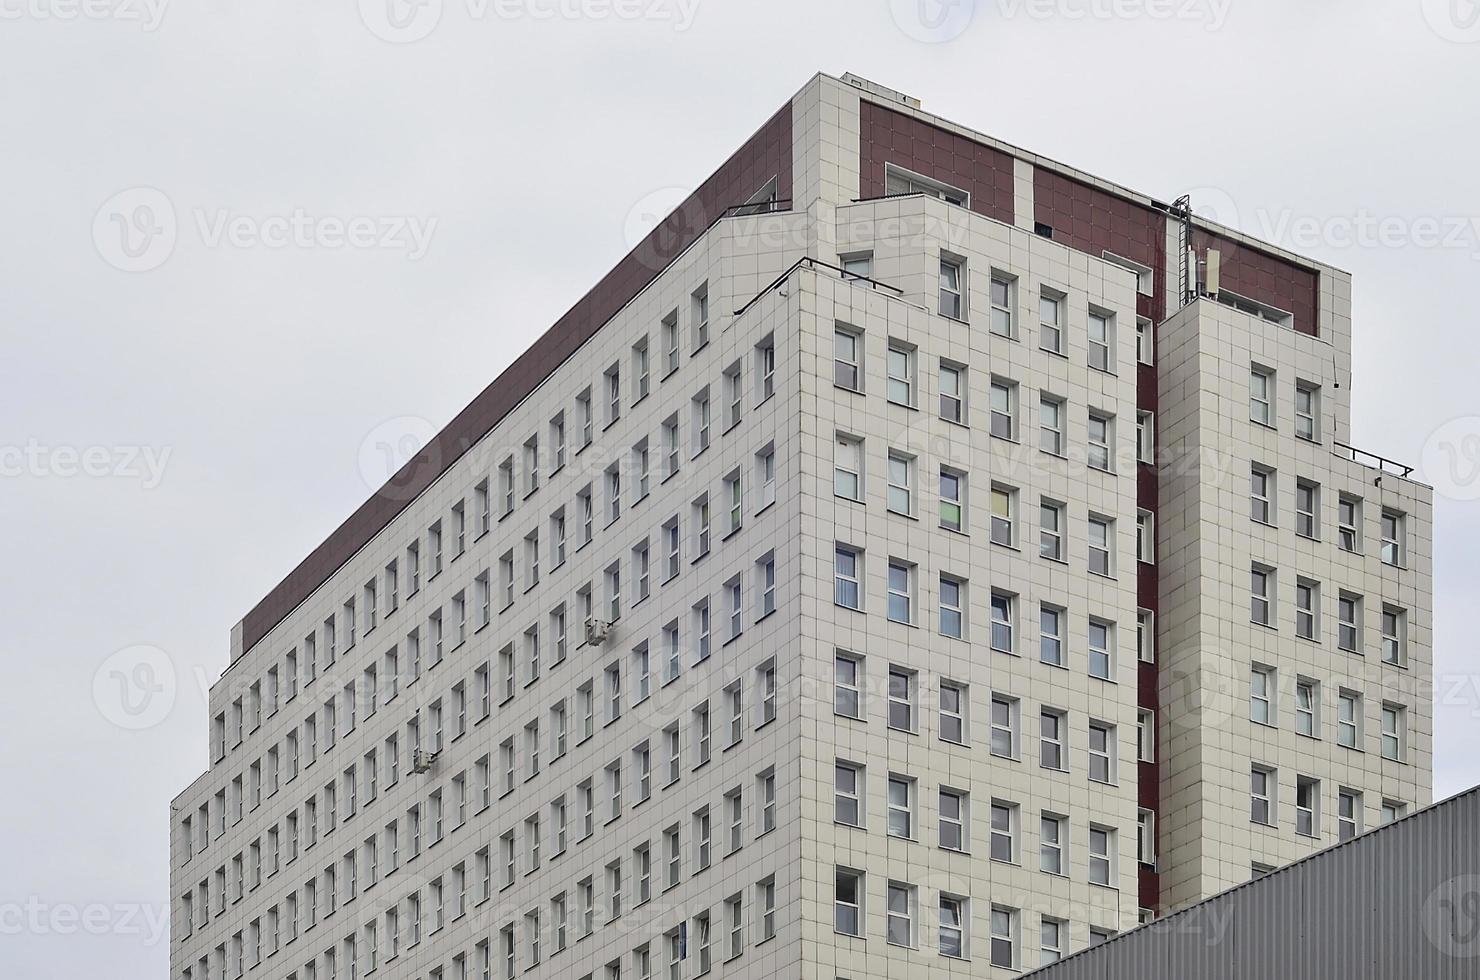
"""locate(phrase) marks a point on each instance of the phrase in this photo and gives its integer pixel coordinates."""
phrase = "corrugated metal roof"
(1399, 903)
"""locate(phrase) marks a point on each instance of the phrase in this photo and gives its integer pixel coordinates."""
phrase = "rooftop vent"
(873, 88)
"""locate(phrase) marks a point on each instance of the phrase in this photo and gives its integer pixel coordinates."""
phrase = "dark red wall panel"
(1267, 278)
(887, 136)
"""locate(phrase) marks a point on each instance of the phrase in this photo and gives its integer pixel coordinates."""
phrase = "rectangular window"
(1101, 855)
(700, 306)
(1051, 530)
(1349, 523)
(1393, 724)
(1004, 290)
(952, 606)
(1145, 353)
(1261, 395)
(1261, 694)
(847, 360)
(1392, 551)
(899, 367)
(848, 902)
(1261, 595)
(1051, 425)
(1004, 937)
(1307, 608)
(848, 468)
(899, 807)
(1348, 719)
(1261, 795)
(1003, 409)
(847, 686)
(953, 392)
(1307, 509)
(1101, 752)
(1101, 649)
(1004, 726)
(1051, 739)
(1101, 433)
(1307, 411)
(1307, 708)
(954, 819)
(1004, 832)
(1101, 340)
(1002, 618)
(848, 794)
(899, 914)
(900, 495)
(1349, 622)
(952, 499)
(1307, 806)
(848, 574)
(1100, 545)
(1348, 814)
(901, 592)
(1050, 320)
(1003, 515)
(951, 291)
(1261, 494)
(901, 699)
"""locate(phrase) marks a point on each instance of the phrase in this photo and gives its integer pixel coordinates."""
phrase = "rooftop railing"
(1372, 459)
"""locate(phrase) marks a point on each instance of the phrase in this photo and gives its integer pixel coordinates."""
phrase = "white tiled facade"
(769, 854)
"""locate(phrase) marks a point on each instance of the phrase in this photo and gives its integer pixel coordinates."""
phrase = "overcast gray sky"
(376, 208)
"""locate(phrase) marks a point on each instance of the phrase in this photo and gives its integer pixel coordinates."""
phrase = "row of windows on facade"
(954, 831)
(1263, 611)
(365, 615)
(1262, 390)
(954, 920)
(900, 182)
(540, 935)
(1310, 519)
(1004, 401)
(360, 869)
(338, 714)
(248, 708)
(901, 587)
(1264, 697)
(903, 708)
(1263, 804)
(1004, 318)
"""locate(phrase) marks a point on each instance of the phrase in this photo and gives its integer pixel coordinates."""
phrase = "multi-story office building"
(916, 555)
